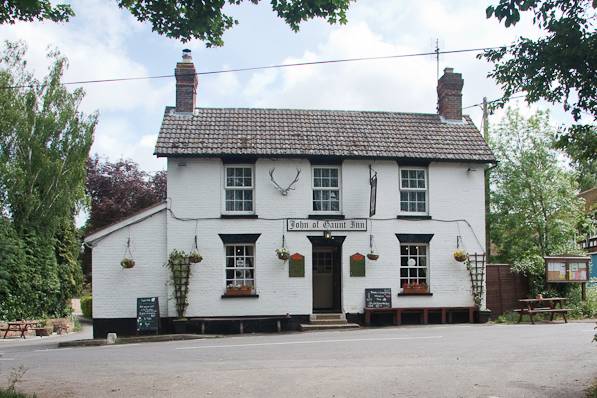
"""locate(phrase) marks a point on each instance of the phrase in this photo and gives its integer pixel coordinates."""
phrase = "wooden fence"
(504, 288)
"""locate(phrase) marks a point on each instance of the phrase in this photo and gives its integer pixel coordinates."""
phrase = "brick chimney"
(449, 95)
(186, 83)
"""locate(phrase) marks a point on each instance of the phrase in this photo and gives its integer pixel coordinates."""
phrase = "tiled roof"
(313, 133)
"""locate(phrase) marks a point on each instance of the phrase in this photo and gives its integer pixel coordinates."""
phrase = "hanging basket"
(195, 257)
(460, 255)
(283, 253)
(372, 256)
(127, 263)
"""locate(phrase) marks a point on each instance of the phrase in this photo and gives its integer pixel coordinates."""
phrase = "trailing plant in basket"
(195, 257)
(127, 263)
(180, 271)
(283, 253)
(460, 255)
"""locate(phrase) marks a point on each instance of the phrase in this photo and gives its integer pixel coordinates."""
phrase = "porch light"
(327, 234)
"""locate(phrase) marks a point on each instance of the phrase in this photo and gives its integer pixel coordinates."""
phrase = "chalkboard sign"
(378, 298)
(148, 314)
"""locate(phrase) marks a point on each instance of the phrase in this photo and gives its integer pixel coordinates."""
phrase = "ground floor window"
(414, 263)
(240, 265)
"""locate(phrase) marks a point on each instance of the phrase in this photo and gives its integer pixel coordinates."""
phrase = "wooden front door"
(326, 288)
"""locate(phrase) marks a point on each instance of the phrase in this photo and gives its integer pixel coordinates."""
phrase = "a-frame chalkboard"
(148, 314)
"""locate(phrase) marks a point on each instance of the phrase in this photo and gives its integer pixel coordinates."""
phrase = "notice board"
(378, 298)
(148, 314)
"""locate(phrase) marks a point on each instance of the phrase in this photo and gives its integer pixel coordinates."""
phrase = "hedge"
(86, 306)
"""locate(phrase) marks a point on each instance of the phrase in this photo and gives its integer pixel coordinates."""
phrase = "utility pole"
(487, 171)
(437, 57)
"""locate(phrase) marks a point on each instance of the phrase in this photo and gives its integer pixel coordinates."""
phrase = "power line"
(492, 101)
(332, 61)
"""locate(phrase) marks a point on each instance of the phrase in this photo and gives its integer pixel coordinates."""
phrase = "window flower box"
(239, 290)
(415, 288)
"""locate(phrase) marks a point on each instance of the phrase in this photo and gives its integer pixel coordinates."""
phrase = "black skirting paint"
(128, 326)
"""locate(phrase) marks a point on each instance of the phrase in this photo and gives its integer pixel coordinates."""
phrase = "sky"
(103, 41)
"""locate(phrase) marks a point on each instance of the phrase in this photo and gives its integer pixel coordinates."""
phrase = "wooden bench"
(242, 320)
(446, 313)
(542, 310)
(19, 326)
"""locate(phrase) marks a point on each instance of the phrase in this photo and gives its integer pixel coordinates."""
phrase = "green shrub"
(86, 306)
(582, 309)
(13, 394)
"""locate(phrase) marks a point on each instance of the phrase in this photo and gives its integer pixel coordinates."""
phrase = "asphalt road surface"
(543, 360)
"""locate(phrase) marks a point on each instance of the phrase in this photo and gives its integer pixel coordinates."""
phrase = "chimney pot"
(186, 55)
(449, 95)
(186, 83)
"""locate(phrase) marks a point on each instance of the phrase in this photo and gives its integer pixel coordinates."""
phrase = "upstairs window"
(326, 189)
(413, 190)
(238, 187)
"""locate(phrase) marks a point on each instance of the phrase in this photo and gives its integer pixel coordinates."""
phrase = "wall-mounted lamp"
(182, 163)
(327, 234)
(469, 170)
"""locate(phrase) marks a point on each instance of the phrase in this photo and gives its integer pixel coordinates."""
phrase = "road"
(543, 360)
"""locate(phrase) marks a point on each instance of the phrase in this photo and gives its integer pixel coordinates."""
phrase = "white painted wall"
(195, 191)
(115, 290)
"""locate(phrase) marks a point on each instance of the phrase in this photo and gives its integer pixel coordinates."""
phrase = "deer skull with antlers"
(284, 191)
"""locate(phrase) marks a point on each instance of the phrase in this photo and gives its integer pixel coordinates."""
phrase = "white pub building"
(358, 201)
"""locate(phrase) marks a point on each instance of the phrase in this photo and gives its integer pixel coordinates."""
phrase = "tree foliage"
(535, 210)
(118, 189)
(559, 67)
(186, 19)
(30, 10)
(44, 143)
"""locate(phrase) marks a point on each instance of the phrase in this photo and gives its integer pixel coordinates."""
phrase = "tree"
(581, 146)
(29, 10)
(44, 143)
(535, 210)
(186, 19)
(117, 190)
(559, 67)
(534, 205)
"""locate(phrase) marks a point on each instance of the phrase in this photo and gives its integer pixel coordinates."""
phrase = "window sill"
(333, 216)
(225, 216)
(227, 296)
(415, 294)
(413, 217)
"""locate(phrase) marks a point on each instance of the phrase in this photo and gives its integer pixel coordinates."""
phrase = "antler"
(284, 191)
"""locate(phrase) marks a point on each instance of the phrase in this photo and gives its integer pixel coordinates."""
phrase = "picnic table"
(19, 326)
(543, 305)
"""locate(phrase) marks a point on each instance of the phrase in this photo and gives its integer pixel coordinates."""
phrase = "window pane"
(336, 206)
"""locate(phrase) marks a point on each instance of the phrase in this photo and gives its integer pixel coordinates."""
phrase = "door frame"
(335, 243)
